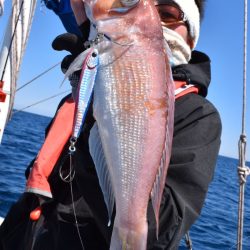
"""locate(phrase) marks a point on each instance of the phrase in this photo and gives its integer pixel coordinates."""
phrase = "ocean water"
(215, 229)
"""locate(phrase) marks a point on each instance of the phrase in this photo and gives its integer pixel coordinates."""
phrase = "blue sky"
(221, 38)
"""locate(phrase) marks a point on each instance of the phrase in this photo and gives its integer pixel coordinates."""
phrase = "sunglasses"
(170, 14)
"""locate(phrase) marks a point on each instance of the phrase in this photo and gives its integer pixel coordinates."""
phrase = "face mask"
(181, 52)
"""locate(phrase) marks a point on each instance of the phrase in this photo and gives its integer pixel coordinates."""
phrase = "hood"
(197, 72)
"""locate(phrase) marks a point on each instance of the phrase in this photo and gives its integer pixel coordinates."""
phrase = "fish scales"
(128, 113)
(133, 108)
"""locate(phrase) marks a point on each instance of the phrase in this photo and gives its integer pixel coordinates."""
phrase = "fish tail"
(125, 238)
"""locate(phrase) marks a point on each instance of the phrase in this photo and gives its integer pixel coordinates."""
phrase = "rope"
(41, 101)
(243, 171)
(11, 41)
(244, 70)
(38, 76)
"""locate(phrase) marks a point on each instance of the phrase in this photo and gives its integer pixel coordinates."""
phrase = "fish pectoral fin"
(97, 153)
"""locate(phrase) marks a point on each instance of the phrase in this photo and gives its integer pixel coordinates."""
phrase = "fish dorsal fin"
(97, 153)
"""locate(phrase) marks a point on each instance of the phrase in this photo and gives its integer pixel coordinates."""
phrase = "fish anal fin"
(158, 187)
(159, 184)
(97, 153)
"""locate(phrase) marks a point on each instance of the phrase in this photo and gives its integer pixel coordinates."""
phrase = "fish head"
(125, 20)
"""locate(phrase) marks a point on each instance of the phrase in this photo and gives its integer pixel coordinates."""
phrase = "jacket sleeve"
(195, 149)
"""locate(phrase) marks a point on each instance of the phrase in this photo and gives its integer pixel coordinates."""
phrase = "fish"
(133, 107)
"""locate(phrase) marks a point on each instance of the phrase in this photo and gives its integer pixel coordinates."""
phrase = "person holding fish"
(147, 150)
(197, 125)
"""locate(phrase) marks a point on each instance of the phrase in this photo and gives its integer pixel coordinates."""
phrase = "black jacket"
(196, 141)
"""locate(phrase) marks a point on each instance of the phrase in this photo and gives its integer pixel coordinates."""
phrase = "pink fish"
(133, 107)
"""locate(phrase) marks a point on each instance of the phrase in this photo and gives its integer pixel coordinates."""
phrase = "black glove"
(75, 45)
(71, 43)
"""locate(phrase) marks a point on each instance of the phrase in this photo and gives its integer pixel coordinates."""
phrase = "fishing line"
(69, 179)
(72, 199)
(38, 76)
(11, 41)
(100, 37)
(113, 41)
(41, 101)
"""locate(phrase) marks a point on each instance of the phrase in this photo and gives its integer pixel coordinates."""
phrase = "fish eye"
(129, 3)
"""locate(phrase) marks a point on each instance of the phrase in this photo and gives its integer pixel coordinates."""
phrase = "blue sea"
(215, 229)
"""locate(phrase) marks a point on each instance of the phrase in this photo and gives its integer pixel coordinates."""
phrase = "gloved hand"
(71, 43)
(75, 45)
